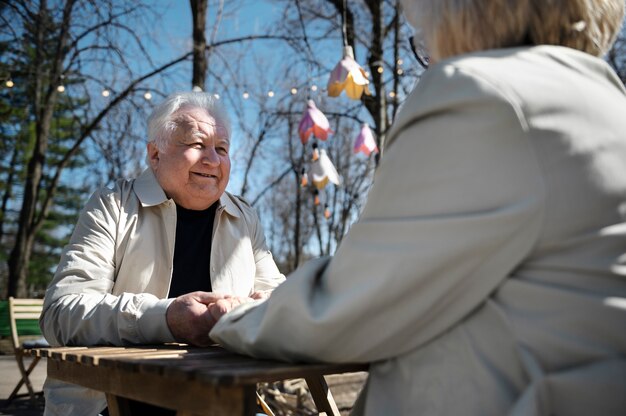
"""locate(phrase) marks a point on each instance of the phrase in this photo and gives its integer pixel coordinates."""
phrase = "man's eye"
(197, 145)
(222, 150)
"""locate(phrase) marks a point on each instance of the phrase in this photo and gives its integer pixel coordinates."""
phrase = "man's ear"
(153, 154)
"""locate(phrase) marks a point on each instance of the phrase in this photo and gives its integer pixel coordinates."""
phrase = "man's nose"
(210, 156)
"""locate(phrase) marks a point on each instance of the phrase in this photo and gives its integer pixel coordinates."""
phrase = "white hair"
(161, 124)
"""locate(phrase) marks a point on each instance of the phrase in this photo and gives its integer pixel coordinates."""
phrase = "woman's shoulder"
(526, 79)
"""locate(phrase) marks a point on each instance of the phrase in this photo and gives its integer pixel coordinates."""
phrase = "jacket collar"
(151, 194)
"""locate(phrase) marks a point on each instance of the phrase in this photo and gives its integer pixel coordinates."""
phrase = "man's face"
(194, 167)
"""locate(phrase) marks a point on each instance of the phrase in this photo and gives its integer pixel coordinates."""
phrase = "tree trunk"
(9, 187)
(378, 106)
(198, 12)
(44, 106)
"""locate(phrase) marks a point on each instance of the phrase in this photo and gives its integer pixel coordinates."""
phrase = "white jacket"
(113, 279)
(487, 273)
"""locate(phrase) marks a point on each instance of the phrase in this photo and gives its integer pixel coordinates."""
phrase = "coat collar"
(150, 193)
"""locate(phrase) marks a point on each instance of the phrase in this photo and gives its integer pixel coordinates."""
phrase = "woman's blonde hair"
(452, 27)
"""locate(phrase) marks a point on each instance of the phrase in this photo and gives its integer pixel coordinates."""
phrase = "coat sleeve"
(79, 308)
(457, 203)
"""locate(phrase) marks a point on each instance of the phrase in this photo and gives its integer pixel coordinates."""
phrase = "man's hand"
(189, 318)
(225, 305)
(261, 294)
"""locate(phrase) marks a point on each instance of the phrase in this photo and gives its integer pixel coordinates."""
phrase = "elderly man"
(149, 255)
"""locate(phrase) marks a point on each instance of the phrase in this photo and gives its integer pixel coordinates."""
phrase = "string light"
(270, 94)
(400, 62)
(313, 87)
(392, 94)
(380, 69)
(147, 96)
(61, 88)
(245, 95)
(400, 71)
(294, 91)
(9, 83)
(105, 93)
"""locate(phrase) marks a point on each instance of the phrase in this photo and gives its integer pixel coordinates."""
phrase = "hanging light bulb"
(105, 93)
(313, 87)
(349, 76)
(392, 94)
(270, 94)
(245, 95)
(61, 88)
(400, 71)
(380, 69)
(294, 91)
(147, 95)
(9, 83)
(400, 62)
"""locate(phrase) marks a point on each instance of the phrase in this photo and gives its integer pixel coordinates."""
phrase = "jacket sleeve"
(79, 307)
(457, 203)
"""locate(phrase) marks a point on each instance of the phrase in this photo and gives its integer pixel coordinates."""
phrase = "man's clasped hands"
(190, 317)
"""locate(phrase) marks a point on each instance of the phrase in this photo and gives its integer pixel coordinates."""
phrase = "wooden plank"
(322, 396)
(26, 314)
(95, 357)
(117, 406)
(23, 301)
(61, 353)
(186, 396)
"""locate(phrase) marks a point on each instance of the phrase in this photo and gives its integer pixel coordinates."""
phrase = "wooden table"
(193, 381)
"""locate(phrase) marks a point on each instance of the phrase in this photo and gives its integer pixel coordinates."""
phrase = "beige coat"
(487, 273)
(112, 283)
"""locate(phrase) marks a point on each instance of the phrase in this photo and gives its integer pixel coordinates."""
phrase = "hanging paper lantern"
(313, 122)
(323, 171)
(365, 141)
(348, 75)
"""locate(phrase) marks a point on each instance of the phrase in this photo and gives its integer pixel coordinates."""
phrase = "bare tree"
(58, 48)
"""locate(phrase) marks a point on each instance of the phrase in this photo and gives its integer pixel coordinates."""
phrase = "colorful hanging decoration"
(323, 171)
(365, 142)
(316, 199)
(349, 76)
(313, 122)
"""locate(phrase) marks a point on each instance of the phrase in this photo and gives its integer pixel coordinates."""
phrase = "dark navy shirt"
(192, 251)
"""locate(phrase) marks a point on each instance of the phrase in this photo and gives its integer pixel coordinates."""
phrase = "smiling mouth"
(205, 175)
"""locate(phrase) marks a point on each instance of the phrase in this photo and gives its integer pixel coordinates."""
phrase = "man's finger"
(207, 297)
